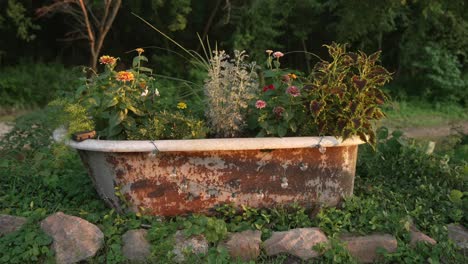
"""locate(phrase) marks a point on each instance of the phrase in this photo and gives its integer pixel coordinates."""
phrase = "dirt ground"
(436, 131)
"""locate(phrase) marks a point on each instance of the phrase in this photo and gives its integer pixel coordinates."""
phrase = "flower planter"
(174, 177)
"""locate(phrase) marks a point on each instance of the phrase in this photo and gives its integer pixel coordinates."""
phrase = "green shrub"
(438, 74)
(34, 84)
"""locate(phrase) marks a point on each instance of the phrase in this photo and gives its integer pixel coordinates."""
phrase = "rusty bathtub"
(176, 177)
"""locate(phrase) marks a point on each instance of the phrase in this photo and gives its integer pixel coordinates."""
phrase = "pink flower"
(268, 87)
(278, 54)
(260, 104)
(278, 111)
(293, 91)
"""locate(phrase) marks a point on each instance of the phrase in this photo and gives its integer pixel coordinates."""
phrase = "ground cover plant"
(396, 185)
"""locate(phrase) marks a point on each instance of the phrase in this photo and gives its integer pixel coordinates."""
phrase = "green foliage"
(28, 85)
(19, 18)
(285, 112)
(28, 245)
(345, 94)
(127, 105)
(339, 98)
(259, 25)
(439, 74)
(213, 229)
(166, 125)
(74, 115)
(265, 220)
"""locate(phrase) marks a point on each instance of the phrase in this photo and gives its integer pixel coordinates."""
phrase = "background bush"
(35, 84)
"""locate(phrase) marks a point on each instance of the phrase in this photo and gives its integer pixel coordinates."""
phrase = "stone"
(459, 234)
(364, 248)
(10, 223)
(418, 236)
(244, 245)
(74, 239)
(297, 242)
(135, 246)
(194, 244)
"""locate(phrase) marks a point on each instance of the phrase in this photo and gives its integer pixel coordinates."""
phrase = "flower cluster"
(126, 104)
(339, 97)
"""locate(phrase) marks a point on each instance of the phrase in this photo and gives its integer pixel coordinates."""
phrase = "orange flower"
(124, 76)
(140, 51)
(108, 60)
(292, 76)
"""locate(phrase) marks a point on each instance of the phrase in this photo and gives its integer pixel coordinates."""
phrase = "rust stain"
(175, 183)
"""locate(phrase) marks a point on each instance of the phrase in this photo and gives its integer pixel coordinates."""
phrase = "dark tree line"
(425, 43)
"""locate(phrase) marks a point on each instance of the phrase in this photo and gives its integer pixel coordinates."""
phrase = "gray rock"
(418, 236)
(135, 246)
(459, 234)
(194, 244)
(244, 245)
(9, 224)
(364, 248)
(74, 239)
(297, 242)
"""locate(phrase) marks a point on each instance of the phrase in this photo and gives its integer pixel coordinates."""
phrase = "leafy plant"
(344, 93)
(230, 85)
(281, 108)
(126, 105)
(339, 98)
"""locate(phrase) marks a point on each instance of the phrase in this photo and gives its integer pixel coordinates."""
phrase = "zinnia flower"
(268, 87)
(124, 76)
(181, 105)
(269, 52)
(293, 91)
(140, 51)
(292, 76)
(278, 54)
(108, 60)
(260, 104)
(278, 111)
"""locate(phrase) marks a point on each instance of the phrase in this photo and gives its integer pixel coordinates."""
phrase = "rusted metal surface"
(175, 183)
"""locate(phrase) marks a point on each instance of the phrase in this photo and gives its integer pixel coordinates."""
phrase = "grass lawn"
(423, 114)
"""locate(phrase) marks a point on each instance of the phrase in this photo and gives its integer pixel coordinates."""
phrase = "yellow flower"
(269, 52)
(181, 105)
(292, 76)
(107, 60)
(140, 51)
(124, 76)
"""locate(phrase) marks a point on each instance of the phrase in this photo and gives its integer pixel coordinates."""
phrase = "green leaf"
(117, 118)
(112, 102)
(270, 73)
(293, 126)
(144, 69)
(456, 197)
(282, 130)
(137, 60)
(135, 110)
(382, 133)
